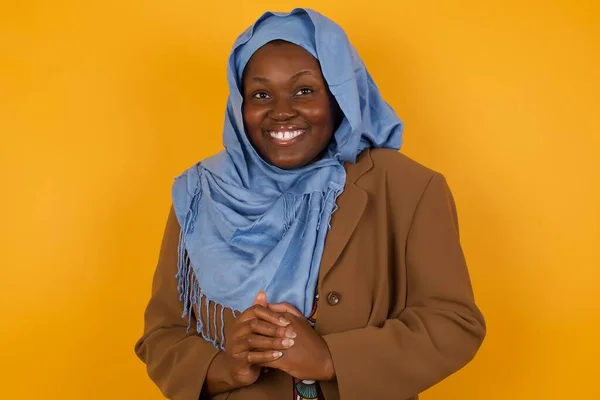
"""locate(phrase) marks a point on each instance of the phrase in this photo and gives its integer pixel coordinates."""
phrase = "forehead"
(281, 57)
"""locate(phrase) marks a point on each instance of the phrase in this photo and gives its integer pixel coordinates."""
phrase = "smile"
(286, 137)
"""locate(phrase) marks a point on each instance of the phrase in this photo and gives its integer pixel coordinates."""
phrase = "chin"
(288, 166)
(287, 163)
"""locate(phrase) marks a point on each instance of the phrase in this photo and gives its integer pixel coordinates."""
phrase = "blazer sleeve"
(177, 360)
(440, 329)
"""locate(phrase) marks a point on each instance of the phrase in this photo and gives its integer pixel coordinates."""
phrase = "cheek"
(250, 115)
(319, 116)
(253, 118)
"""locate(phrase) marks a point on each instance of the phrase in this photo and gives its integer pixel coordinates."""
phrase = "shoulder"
(187, 181)
(393, 178)
(401, 165)
(400, 185)
(396, 172)
(187, 185)
(183, 189)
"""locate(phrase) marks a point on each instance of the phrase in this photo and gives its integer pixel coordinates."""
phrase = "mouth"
(287, 136)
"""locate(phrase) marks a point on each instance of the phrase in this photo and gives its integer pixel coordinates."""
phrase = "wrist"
(221, 376)
(328, 369)
(230, 373)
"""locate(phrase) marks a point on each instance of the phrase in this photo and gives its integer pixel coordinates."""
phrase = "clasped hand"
(275, 336)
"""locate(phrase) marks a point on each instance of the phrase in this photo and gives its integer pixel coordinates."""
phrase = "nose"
(282, 110)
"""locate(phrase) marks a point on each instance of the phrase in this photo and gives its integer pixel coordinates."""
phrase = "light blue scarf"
(247, 225)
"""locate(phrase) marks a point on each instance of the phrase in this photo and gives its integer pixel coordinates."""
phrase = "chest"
(366, 283)
(362, 279)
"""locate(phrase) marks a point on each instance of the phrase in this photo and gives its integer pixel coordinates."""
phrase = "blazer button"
(333, 298)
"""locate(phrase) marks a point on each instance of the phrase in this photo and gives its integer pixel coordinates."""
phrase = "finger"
(260, 312)
(261, 298)
(264, 328)
(271, 364)
(259, 342)
(260, 357)
(271, 316)
(285, 307)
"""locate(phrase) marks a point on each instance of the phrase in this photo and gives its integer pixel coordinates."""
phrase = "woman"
(309, 259)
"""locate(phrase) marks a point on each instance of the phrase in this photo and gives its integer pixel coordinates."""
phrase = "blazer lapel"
(351, 205)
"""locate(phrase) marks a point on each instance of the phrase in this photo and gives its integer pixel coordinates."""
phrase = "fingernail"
(284, 321)
(287, 342)
(277, 354)
(290, 334)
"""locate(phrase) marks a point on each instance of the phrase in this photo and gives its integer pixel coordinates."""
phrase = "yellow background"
(102, 103)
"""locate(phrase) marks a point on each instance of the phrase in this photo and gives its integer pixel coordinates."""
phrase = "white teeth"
(287, 135)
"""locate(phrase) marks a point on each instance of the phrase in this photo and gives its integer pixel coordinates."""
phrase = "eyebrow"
(293, 78)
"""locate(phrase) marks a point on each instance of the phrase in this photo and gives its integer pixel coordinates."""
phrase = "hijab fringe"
(330, 196)
(188, 288)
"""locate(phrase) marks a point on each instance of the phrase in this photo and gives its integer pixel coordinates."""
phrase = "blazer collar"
(351, 205)
(363, 164)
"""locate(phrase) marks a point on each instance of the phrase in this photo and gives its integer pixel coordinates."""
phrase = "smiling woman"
(289, 113)
(310, 259)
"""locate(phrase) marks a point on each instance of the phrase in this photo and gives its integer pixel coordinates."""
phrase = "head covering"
(247, 225)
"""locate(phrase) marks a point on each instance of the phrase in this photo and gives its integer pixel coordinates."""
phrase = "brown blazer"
(398, 313)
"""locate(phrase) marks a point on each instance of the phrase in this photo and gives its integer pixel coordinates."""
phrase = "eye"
(304, 91)
(261, 95)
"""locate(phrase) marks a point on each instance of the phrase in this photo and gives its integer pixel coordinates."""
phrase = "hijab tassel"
(188, 288)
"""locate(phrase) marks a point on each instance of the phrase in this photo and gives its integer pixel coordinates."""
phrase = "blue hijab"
(247, 225)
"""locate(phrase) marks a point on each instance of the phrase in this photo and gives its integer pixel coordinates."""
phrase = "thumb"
(261, 298)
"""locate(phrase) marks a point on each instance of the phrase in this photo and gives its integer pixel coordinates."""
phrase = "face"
(289, 113)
